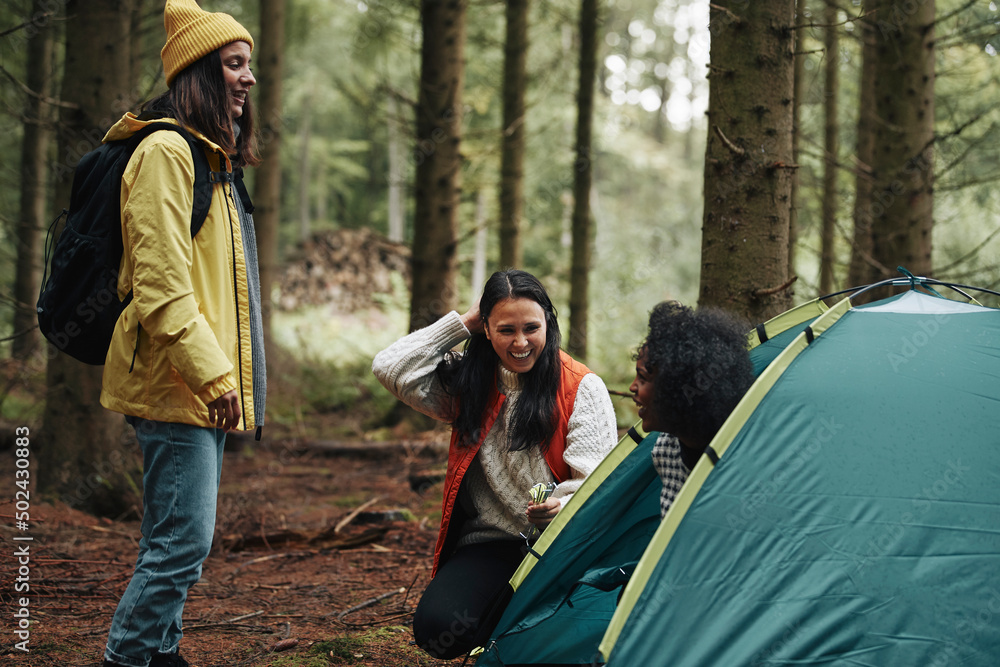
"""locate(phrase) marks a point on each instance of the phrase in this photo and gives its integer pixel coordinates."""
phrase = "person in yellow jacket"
(186, 362)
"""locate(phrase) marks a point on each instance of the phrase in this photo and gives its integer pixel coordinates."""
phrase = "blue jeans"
(181, 469)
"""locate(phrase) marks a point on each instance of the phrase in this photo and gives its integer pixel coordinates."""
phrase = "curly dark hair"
(701, 369)
(471, 376)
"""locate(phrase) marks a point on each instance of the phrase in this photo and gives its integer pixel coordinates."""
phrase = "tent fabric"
(567, 590)
(854, 515)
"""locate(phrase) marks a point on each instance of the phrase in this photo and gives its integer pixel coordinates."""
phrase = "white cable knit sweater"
(495, 488)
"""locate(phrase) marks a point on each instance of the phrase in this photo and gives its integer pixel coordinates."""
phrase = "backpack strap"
(241, 188)
(204, 177)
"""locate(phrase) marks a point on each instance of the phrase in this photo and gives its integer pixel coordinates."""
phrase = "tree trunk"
(322, 206)
(582, 178)
(831, 84)
(83, 458)
(305, 170)
(798, 88)
(397, 171)
(438, 177)
(862, 270)
(902, 206)
(267, 187)
(34, 163)
(512, 136)
(748, 161)
(479, 255)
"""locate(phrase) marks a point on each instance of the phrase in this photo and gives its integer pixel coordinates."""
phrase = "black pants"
(463, 602)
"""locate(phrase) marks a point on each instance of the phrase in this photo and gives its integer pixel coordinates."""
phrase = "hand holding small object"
(541, 509)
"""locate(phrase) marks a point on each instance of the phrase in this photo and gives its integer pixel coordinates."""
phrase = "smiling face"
(236, 72)
(516, 329)
(642, 389)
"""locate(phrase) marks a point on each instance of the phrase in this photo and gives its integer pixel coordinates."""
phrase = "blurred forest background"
(833, 141)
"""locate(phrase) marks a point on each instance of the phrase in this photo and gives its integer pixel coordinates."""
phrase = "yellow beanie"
(193, 33)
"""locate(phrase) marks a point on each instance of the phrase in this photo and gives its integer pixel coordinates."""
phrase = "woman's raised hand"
(472, 319)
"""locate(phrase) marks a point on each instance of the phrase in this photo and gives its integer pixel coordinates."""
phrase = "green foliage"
(346, 58)
(12, 101)
(324, 362)
(967, 127)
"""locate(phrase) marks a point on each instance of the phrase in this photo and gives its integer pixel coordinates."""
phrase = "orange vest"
(459, 457)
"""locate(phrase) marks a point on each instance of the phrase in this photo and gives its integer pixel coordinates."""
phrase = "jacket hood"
(129, 124)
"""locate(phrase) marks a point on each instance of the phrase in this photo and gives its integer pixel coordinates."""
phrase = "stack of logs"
(344, 268)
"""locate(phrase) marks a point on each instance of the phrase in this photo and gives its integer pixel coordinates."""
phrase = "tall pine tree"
(748, 161)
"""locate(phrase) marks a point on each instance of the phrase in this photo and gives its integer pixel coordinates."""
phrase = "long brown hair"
(199, 99)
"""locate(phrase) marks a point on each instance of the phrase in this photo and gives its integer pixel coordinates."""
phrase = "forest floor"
(322, 551)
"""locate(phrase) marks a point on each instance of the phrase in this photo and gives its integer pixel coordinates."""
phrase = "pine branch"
(973, 35)
(859, 17)
(938, 138)
(972, 146)
(28, 91)
(33, 21)
(733, 18)
(950, 15)
(972, 253)
(769, 291)
(733, 148)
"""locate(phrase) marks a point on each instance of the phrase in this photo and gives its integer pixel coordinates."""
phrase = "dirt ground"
(321, 555)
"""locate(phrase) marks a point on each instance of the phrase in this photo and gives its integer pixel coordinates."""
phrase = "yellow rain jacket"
(190, 296)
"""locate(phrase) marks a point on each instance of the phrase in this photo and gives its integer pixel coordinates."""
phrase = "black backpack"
(78, 304)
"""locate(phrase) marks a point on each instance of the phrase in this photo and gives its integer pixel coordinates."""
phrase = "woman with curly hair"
(522, 412)
(691, 371)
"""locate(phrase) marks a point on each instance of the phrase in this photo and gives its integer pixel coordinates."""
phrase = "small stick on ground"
(350, 517)
(261, 559)
(368, 603)
(232, 621)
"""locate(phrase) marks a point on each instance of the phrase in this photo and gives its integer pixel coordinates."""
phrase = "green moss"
(341, 647)
(299, 661)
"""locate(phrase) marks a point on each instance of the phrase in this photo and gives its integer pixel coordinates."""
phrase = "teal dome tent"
(848, 512)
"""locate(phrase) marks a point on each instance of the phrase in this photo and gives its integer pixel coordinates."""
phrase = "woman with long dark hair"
(522, 412)
(186, 360)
